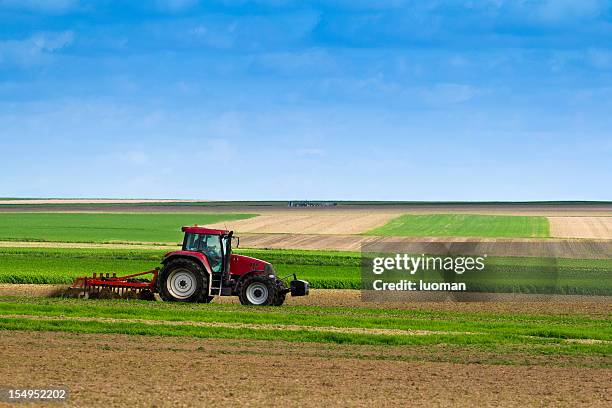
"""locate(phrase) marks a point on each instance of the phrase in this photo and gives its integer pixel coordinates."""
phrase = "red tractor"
(204, 268)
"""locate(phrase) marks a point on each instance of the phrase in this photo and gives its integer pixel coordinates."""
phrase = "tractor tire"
(258, 291)
(183, 280)
(207, 299)
(280, 293)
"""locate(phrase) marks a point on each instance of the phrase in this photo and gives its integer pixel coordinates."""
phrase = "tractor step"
(223, 291)
(216, 285)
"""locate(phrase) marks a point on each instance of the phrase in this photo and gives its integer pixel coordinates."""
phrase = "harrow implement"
(115, 287)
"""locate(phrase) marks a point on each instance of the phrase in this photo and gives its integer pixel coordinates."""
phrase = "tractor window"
(209, 245)
(193, 242)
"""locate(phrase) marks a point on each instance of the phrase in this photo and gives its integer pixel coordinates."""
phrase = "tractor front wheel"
(259, 291)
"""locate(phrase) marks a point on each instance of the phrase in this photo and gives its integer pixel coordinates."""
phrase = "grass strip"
(234, 333)
(518, 346)
(548, 327)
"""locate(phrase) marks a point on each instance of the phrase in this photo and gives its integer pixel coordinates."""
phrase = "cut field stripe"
(269, 332)
(289, 327)
(143, 329)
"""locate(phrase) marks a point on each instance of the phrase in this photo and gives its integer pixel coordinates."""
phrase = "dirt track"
(352, 298)
(102, 370)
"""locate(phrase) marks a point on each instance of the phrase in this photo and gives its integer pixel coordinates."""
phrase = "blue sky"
(396, 100)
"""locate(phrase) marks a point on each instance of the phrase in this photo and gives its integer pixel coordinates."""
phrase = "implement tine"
(109, 285)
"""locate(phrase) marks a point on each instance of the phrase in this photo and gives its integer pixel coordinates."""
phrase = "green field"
(60, 266)
(465, 225)
(499, 337)
(323, 269)
(87, 227)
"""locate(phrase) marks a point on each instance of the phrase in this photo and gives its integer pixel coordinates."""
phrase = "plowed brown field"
(511, 246)
(120, 370)
(581, 227)
(312, 222)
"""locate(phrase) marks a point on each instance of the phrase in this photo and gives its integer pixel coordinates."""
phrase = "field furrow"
(304, 374)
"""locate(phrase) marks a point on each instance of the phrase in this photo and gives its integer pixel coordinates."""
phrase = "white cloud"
(376, 85)
(600, 58)
(219, 151)
(562, 10)
(310, 152)
(35, 49)
(447, 93)
(135, 158)
(175, 5)
(548, 11)
(199, 31)
(217, 35)
(294, 62)
(230, 124)
(52, 41)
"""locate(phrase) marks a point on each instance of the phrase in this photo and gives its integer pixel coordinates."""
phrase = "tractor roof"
(196, 229)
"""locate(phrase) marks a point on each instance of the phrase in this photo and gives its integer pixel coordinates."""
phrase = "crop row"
(60, 266)
(323, 269)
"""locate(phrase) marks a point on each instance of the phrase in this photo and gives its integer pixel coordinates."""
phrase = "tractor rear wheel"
(183, 280)
(258, 291)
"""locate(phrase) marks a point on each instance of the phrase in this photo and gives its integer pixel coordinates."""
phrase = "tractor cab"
(216, 245)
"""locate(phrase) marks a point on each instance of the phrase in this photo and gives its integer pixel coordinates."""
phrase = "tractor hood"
(241, 264)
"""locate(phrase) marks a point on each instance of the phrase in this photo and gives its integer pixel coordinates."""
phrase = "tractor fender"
(194, 256)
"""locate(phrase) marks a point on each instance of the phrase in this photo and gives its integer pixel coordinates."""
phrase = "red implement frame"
(117, 282)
